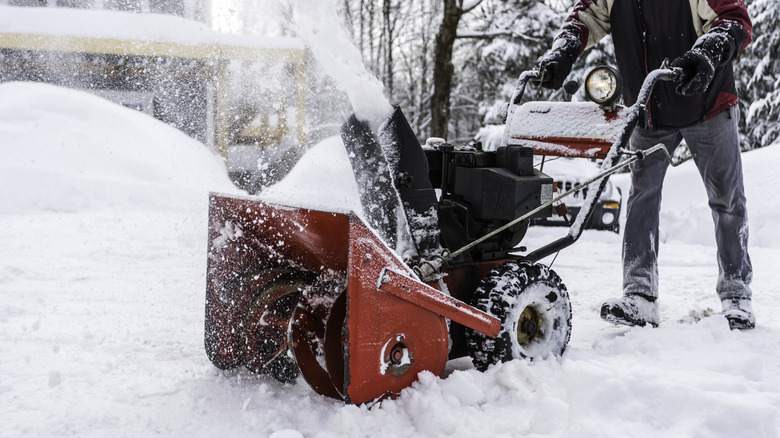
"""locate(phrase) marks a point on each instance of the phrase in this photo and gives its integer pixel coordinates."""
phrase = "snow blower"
(431, 270)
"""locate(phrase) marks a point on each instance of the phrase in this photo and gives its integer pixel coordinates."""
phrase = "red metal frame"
(395, 325)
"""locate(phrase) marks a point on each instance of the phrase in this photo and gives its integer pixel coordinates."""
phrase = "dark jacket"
(645, 32)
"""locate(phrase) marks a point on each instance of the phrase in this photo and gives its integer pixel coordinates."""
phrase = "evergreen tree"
(499, 39)
(499, 61)
(758, 77)
(503, 39)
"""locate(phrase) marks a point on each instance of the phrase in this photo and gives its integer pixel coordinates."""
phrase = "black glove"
(698, 64)
(556, 65)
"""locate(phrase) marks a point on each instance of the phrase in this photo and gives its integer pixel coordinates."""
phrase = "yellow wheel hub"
(529, 326)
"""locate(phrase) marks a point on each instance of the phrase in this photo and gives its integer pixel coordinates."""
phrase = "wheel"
(335, 343)
(535, 312)
(308, 333)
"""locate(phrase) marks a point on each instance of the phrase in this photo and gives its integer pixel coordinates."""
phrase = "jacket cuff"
(568, 43)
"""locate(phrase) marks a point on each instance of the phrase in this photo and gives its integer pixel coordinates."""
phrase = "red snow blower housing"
(360, 304)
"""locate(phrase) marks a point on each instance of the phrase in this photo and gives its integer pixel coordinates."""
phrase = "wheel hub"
(529, 326)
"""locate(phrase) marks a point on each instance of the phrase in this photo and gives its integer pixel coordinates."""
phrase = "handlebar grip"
(522, 81)
(675, 75)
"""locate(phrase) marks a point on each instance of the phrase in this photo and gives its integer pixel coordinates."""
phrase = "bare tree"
(411, 46)
(348, 17)
(443, 69)
(388, 27)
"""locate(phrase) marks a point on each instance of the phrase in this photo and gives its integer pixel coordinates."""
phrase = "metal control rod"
(429, 268)
(635, 156)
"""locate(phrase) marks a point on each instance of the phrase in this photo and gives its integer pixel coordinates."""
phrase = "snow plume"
(318, 24)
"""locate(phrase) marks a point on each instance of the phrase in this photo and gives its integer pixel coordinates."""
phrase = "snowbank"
(321, 180)
(66, 150)
(686, 217)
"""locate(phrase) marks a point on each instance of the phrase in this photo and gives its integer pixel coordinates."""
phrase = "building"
(161, 57)
(199, 10)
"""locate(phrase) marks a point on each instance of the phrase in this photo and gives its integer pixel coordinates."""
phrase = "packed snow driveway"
(102, 278)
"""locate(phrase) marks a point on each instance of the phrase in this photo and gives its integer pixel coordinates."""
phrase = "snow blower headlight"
(603, 85)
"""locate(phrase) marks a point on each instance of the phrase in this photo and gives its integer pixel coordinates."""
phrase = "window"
(123, 5)
(27, 2)
(75, 3)
(173, 7)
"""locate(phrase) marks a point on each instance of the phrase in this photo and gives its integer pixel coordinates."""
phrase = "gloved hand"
(556, 65)
(698, 64)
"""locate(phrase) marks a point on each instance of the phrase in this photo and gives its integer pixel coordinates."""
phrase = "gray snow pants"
(715, 145)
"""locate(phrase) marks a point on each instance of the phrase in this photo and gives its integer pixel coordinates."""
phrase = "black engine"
(480, 191)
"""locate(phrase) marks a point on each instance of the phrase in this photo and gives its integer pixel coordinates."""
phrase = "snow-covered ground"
(102, 281)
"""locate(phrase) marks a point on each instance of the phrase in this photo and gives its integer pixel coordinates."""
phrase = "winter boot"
(739, 313)
(631, 310)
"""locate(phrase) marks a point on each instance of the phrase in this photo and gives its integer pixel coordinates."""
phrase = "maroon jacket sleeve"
(730, 17)
(588, 22)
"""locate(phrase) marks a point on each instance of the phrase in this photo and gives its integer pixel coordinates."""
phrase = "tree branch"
(467, 6)
(494, 34)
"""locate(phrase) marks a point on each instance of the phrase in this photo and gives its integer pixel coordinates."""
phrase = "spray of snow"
(319, 25)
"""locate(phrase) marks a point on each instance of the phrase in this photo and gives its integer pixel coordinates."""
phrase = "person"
(702, 37)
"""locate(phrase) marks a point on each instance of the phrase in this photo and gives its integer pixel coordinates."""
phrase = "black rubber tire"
(535, 312)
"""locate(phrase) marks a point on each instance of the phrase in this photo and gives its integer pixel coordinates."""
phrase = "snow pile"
(763, 200)
(685, 214)
(66, 150)
(321, 180)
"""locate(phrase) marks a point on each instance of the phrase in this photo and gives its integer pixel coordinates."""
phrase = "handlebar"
(525, 76)
(517, 96)
(664, 73)
(673, 74)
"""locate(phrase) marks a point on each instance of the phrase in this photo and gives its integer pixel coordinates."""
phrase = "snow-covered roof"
(128, 33)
